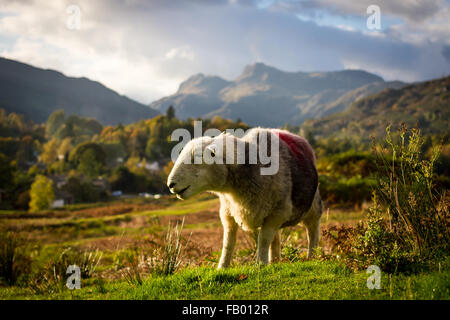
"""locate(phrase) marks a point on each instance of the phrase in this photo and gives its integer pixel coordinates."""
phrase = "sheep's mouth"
(182, 190)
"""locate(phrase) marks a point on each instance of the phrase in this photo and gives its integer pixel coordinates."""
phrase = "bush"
(82, 190)
(346, 178)
(408, 223)
(53, 276)
(23, 200)
(415, 224)
(345, 191)
(15, 264)
(165, 259)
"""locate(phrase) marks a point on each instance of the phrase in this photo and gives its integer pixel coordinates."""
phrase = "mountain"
(264, 95)
(36, 93)
(426, 104)
(195, 97)
(344, 101)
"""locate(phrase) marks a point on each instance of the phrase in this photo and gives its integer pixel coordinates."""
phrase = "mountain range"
(266, 96)
(262, 95)
(36, 93)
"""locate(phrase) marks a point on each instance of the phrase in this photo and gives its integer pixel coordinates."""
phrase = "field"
(121, 236)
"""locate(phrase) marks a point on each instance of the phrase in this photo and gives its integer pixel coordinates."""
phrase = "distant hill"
(426, 104)
(36, 93)
(263, 95)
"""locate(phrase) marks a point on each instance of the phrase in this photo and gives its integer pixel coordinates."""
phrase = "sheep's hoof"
(261, 264)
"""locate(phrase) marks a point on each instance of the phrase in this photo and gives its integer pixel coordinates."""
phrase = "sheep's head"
(193, 171)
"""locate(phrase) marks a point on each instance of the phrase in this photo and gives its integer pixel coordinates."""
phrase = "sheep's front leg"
(229, 241)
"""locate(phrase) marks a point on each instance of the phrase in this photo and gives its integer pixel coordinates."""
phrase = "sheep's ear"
(212, 148)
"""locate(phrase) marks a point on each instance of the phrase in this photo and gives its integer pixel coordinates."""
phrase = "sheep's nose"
(171, 185)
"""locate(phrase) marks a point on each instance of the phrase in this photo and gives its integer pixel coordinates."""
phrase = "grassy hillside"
(120, 236)
(36, 93)
(425, 104)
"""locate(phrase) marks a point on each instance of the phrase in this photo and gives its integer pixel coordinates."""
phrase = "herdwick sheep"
(259, 204)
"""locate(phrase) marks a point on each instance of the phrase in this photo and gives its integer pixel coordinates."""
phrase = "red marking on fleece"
(298, 145)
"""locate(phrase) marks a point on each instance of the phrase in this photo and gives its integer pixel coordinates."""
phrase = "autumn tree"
(50, 152)
(41, 193)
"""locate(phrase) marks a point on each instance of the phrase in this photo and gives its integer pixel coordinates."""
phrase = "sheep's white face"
(191, 175)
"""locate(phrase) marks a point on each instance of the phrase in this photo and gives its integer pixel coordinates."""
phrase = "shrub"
(409, 216)
(345, 191)
(165, 259)
(53, 276)
(408, 223)
(171, 253)
(14, 262)
(346, 178)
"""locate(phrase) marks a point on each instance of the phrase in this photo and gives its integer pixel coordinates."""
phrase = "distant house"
(153, 166)
(101, 183)
(62, 198)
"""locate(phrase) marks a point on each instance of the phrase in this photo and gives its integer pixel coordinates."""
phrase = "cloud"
(144, 49)
(410, 10)
(184, 52)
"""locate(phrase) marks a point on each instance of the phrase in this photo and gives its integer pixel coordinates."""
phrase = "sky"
(145, 49)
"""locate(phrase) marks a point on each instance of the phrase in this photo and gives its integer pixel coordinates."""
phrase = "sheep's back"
(302, 164)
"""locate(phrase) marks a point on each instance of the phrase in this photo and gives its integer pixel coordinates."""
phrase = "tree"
(26, 150)
(123, 179)
(170, 113)
(89, 158)
(81, 190)
(65, 148)
(41, 193)
(55, 121)
(6, 172)
(89, 164)
(157, 149)
(50, 152)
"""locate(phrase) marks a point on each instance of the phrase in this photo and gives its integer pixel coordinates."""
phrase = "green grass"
(301, 280)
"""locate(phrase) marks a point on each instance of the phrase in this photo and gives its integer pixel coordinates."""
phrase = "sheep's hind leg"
(269, 234)
(312, 223)
(274, 251)
(265, 238)
(229, 241)
(313, 228)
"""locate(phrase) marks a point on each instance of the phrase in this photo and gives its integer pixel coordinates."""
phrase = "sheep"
(260, 204)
